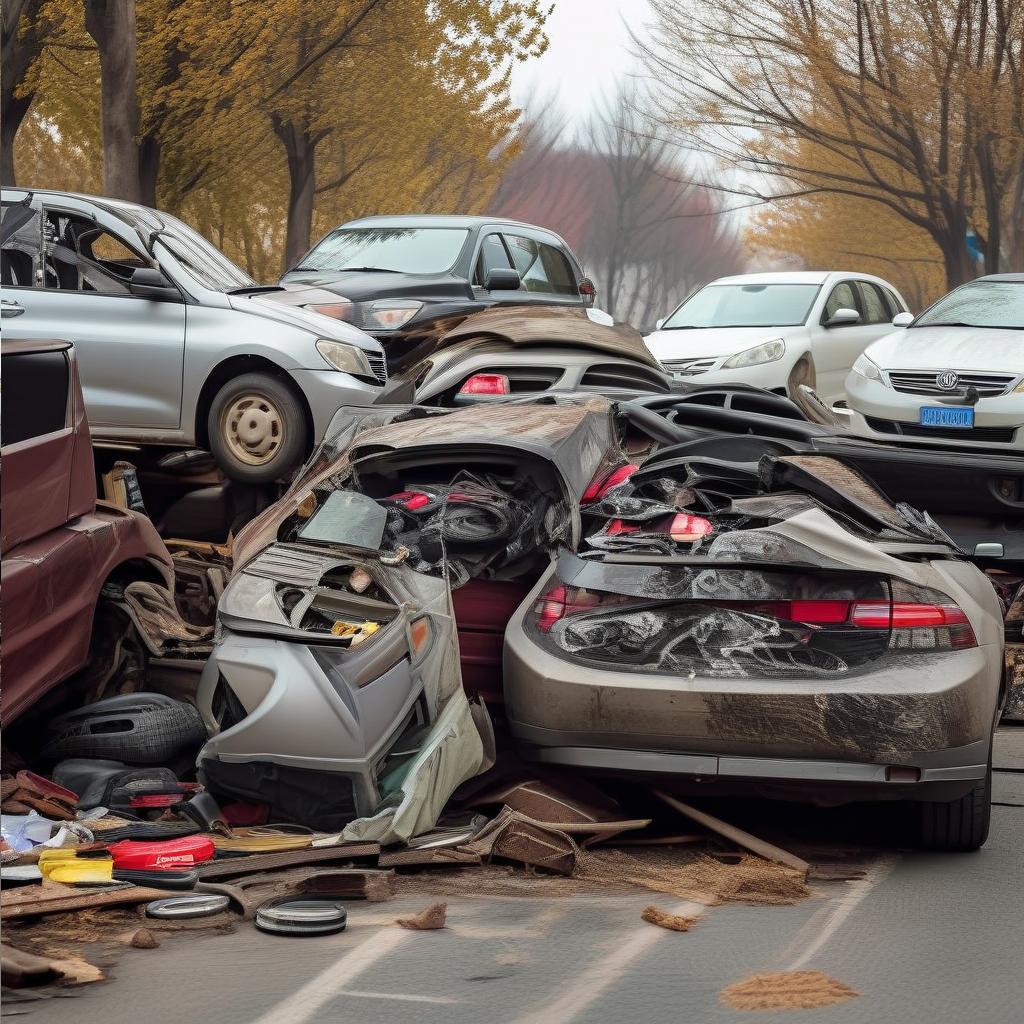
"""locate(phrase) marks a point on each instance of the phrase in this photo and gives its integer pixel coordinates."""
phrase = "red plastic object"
(683, 527)
(162, 855)
(486, 384)
(156, 800)
(244, 813)
(412, 500)
(600, 486)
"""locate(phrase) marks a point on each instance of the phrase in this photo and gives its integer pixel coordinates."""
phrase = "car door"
(545, 271)
(836, 347)
(130, 349)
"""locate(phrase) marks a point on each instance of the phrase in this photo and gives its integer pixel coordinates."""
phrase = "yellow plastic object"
(264, 839)
(83, 869)
(354, 632)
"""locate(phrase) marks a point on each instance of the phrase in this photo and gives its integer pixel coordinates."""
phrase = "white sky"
(590, 48)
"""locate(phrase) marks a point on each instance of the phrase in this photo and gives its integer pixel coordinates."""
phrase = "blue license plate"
(947, 416)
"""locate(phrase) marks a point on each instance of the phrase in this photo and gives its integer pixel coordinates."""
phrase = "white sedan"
(954, 377)
(777, 331)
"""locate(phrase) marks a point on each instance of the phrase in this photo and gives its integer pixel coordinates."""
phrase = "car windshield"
(978, 304)
(400, 250)
(745, 305)
(207, 264)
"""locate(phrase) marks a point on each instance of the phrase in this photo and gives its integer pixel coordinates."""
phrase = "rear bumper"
(934, 718)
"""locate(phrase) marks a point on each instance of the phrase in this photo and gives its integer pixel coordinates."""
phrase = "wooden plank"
(232, 867)
(55, 898)
(737, 835)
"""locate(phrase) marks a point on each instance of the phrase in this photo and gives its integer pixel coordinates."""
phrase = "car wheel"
(802, 373)
(257, 428)
(959, 825)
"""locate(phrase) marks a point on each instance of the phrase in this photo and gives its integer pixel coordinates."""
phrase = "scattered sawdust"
(695, 876)
(426, 920)
(144, 939)
(786, 990)
(663, 919)
(607, 871)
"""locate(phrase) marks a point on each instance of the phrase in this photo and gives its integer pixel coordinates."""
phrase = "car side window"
(493, 256)
(895, 306)
(559, 272)
(35, 395)
(80, 256)
(20, 228)
(526, 256)
(875, 309)
(843, 297)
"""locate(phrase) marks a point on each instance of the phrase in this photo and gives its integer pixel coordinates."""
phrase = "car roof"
(793, 277)
(1013, 278)
(131, 212)
(438, 220)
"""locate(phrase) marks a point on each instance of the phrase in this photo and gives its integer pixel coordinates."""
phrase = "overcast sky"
(590, 49)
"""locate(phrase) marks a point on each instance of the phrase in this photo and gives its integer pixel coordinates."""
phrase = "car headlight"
(346, 358)
(866, 368)
(375, 315)
(1019, 389)
(767, 352)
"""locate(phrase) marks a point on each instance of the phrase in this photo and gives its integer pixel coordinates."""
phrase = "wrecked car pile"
(703, 607)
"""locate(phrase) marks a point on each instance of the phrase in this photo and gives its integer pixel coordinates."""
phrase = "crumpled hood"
(714, 341)
(950, 348)
(287, 307)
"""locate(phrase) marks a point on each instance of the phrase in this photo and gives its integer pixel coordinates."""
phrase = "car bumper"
(929, 723)
(770, 376)
(878, 411)
(328, 390)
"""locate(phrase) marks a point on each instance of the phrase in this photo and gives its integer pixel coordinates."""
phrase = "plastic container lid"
(192, 905)
(301, 917)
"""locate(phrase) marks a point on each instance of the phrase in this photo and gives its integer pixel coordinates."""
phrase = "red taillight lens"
(917, 625)
(683, 527)
(561, 601)
(601, 485)
(587, 288)
(486, 384)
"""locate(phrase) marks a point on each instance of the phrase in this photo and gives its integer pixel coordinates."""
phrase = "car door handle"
(8, 307)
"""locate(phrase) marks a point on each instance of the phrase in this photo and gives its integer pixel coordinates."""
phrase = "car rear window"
(400, 250)
(35, 395)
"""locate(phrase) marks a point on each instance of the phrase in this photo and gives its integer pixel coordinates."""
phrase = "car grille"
(922, 382)
(689, 367)
(285, 565)
(996, 434)
(379, 366)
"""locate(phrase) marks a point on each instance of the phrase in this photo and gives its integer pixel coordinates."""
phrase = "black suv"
(394, 273)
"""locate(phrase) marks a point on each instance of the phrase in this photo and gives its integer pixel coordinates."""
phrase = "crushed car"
(739, 609)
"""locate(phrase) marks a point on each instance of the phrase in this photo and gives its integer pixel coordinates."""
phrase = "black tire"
(257, 428)
(960, 825)
(802, 373)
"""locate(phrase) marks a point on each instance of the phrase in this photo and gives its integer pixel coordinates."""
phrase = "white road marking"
(303, 1004)
(827, 921)
(573, 999)
(361, 994)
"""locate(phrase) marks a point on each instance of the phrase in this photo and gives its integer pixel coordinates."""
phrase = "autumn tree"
(911, 106)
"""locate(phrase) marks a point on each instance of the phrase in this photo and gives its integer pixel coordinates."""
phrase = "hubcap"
(253, 428)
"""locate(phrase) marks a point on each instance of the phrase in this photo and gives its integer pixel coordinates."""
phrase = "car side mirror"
(501, 279)
(903, 319)
(658, 324)
(843, 317)
(150, 283)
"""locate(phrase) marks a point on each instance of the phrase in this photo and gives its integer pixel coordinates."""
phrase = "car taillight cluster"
(486, 384)
(601, 485)
(912, 625)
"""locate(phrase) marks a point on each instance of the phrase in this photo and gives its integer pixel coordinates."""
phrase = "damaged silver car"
(729, 612)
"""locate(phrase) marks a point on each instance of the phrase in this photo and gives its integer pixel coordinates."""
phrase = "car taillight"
(561, 601)
(587, 288)
(683, 527)
(916, 625)
(601, 485)
(486, 384)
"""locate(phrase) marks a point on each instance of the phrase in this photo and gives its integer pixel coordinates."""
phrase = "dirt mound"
(786, 990)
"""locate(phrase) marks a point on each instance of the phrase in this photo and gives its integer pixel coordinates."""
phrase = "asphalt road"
(930, 938)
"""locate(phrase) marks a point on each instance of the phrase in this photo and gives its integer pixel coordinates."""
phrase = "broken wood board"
(737, 835)
(232, 867)
(20, 969)
(56, 898)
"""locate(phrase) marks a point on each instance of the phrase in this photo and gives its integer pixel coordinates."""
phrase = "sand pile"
(786, 990)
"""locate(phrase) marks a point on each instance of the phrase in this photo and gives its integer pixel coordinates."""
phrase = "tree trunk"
(111, 23)
(300, 149)
(21, 45)
(149, 169)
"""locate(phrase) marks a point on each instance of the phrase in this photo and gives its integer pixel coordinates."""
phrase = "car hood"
(362, 285)
(285, 305)
(953, 348)
(713, 341)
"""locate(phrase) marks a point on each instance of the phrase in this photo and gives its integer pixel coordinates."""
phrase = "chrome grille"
(379, 366)
(922, 382)
(689, 367)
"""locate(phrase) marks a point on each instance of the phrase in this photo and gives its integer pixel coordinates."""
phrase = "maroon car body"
(59, 545)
